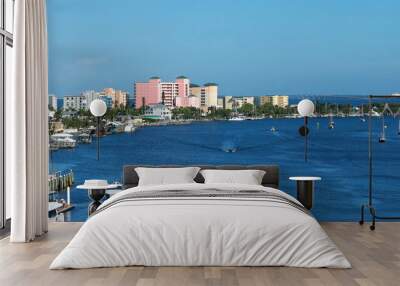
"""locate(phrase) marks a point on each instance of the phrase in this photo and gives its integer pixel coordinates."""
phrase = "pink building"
(148, 92)
(190, 101)
(172, 94)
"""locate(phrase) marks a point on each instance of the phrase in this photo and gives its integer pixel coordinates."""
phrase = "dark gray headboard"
(271, 178)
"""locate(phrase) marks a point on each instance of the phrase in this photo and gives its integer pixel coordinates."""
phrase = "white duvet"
(200, 231)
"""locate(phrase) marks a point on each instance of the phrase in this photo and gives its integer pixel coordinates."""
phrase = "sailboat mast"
(398, 132)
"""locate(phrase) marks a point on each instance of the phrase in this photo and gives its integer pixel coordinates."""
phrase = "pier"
(61, 181)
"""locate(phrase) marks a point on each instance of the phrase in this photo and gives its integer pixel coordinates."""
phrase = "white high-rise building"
(89, 96)
(53, 102)
(74, 102)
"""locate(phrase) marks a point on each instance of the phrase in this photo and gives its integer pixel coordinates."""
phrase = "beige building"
(207, 94)
(231, 102)
(228, 102)
(220, 103)
(119, 97)
(276, 100)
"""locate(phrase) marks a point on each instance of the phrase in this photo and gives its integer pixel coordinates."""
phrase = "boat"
(362, 118)
(129, 128)
(237, 118)
(382, 138)
(273, 129)
(62, 140)
(84, 138)
(114, 127)
(395, 115)
(398, 131)
(230, 149)
(331, 124)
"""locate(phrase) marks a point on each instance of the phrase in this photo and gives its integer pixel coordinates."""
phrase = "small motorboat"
(273, 129)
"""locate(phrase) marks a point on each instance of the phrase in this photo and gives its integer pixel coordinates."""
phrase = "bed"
(198, 224)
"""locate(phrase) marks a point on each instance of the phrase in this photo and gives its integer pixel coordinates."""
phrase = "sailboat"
(395, 115)
(386, 109)
(398, 131)
(331, 124)
(382, 138)
(362, 113)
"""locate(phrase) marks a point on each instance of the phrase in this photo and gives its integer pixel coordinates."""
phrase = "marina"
(339, 156)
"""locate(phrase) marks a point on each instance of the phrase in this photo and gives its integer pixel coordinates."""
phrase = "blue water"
(339, 156)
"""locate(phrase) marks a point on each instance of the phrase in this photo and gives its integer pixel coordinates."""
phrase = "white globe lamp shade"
(98, 107)
(305, 107)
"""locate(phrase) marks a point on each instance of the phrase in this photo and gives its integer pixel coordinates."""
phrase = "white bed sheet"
(200, 232)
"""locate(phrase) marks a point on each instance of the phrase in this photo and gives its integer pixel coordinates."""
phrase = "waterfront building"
(228, 102)
(239, 101)
(108, 99)
(231, 102)
(56, 126)
(190, 101)
(276, 100)
(53, 102)
(157, 111)
(131, 100)
(74, 102)
(120, 98)
(220, 103)
(109, 91)
(168, 93)
(207, 95)
(90, 95)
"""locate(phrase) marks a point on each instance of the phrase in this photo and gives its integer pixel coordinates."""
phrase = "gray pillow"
(166, 176)
(247, 177)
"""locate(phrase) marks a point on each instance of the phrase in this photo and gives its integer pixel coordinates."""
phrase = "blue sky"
(248, 47)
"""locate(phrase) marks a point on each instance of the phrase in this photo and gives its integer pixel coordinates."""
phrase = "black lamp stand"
(369, 206)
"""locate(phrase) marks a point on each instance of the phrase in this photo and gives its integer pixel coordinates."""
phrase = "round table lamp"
(98, 108)
(305, 109)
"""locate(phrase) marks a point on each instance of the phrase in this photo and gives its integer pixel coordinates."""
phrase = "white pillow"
(248, 177)
(166, 176)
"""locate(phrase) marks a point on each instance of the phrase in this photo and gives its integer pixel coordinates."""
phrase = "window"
(6, 42)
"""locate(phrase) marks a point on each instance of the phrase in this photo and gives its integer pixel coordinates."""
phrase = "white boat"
(382, 138)
(237, 118)
(129, 128)
(62, 140)
(331, 124)
(84, 138)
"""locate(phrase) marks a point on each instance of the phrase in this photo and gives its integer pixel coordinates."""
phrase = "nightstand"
(305, 190)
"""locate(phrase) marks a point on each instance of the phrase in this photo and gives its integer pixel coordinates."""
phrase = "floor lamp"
(98, 108)
(305, 109)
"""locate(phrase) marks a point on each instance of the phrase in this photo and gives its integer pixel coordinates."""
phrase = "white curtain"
(26, 124)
